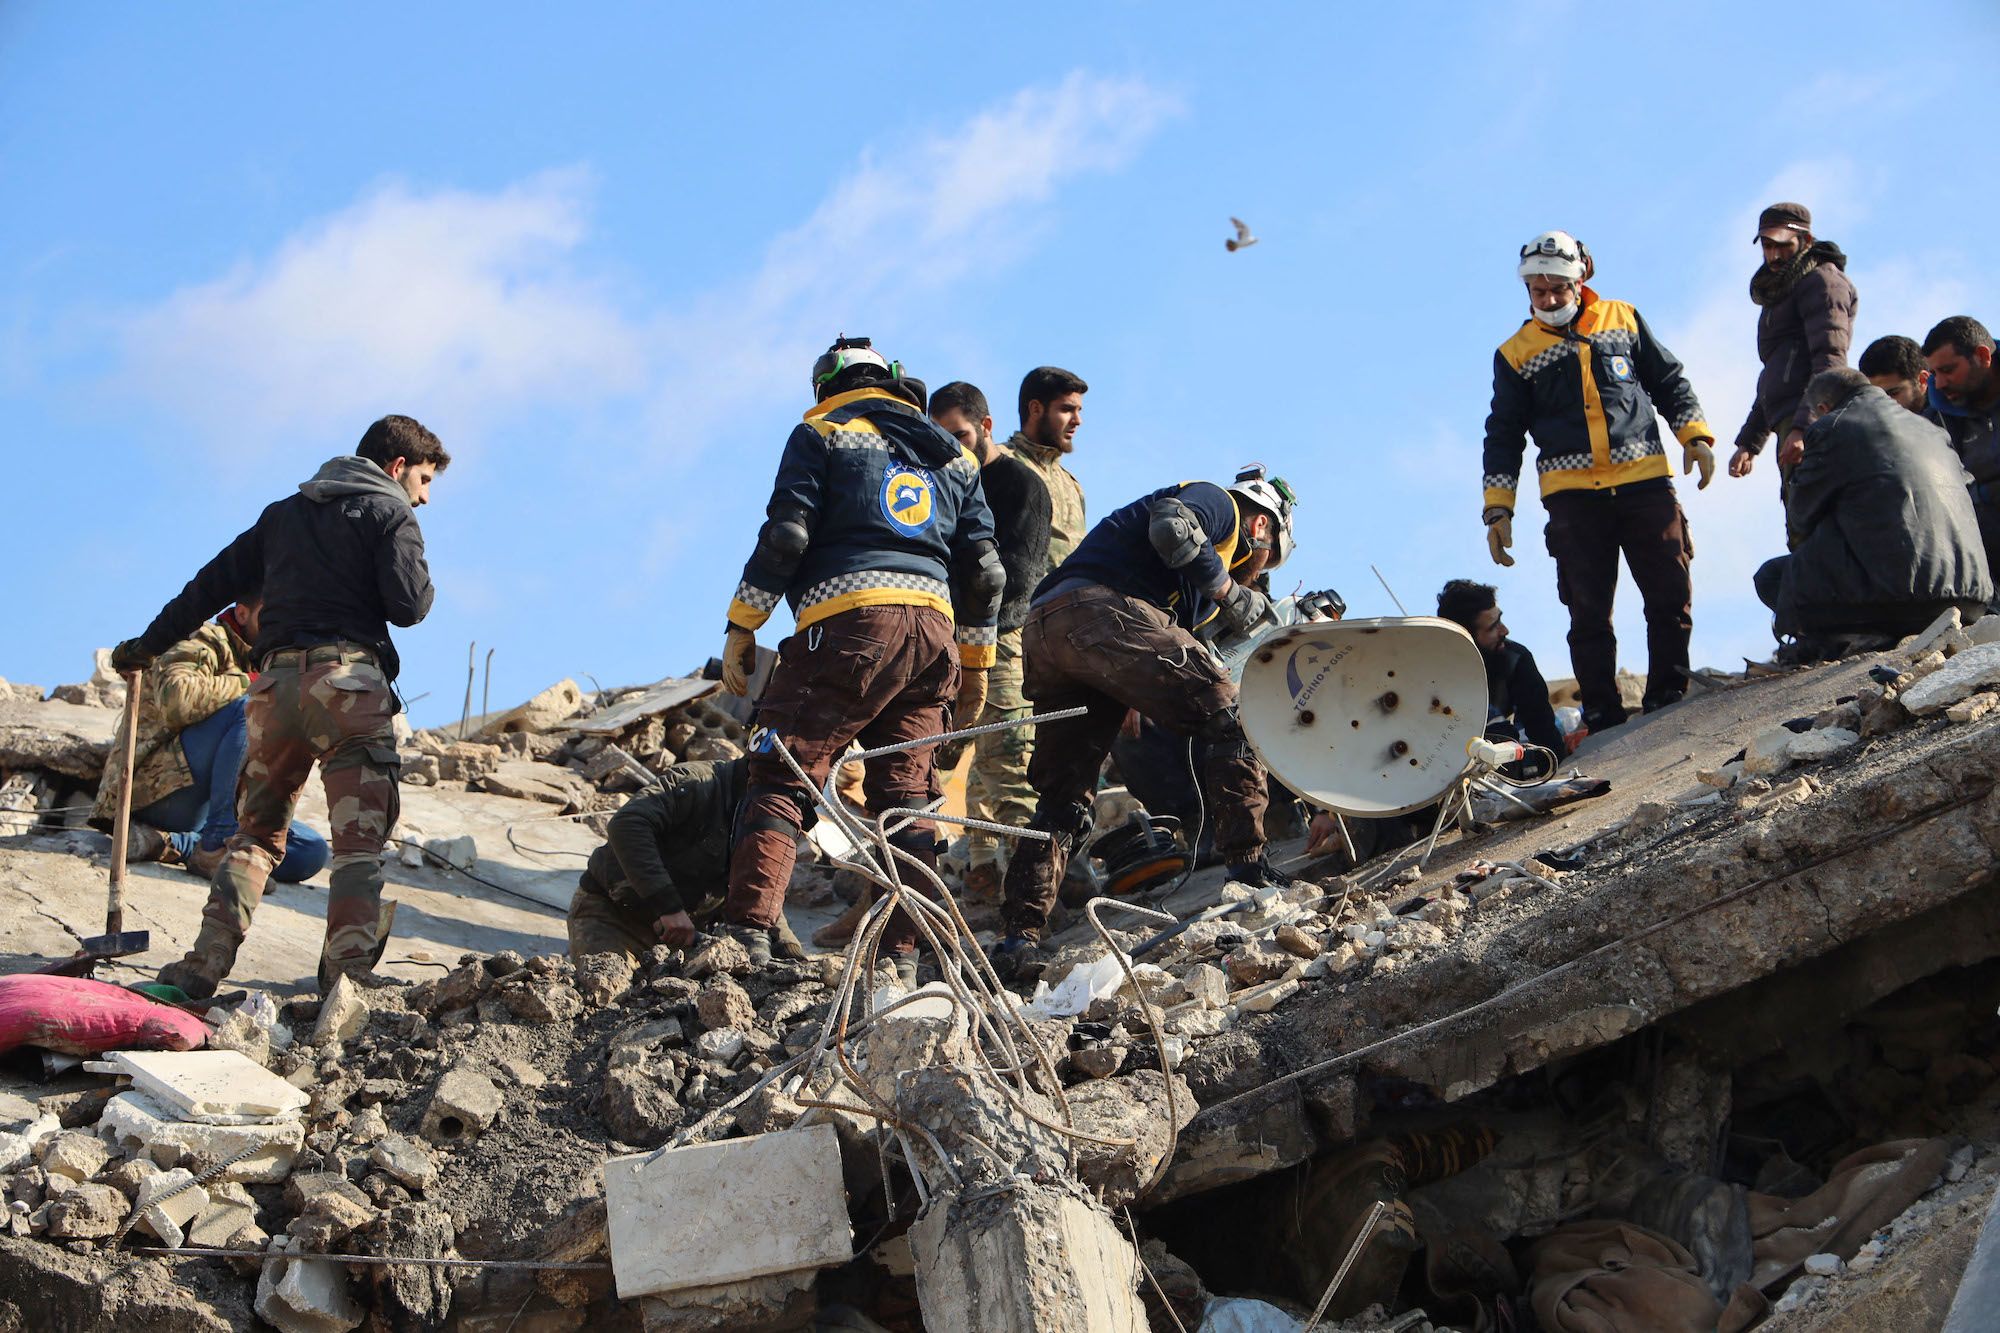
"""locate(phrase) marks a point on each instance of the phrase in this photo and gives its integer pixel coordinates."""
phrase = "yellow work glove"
(971, 697)
(1499, 535)
(1699, 454)
(739, 659)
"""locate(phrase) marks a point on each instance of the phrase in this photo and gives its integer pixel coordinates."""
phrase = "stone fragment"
(1207, 985)
(1132, 1107)
(87, 1212)
(779, 1197)
(1411, 934)
(1973, 707)
(640, 1104)
(406, 1159)
(1100, 1061)
(1984, 630)
(1933, 637)
(562, 700)
(1296, 942)
(1267, 997)
(1966, 674)
(223, 1222)
(1884, 716)
(543, 1002)
(1823, 1265)
(602, 977)
(343, 1013)
(780, 1301)
(167, 1202)
(717, 953)
(75, 1154)
(1811, 746)
(1726, 775)
(468, 761)
(460, 852)
(1257, 962)
(724, 1004)
(517, 779)
(303, 1190)
(719, 1044)
(1769, 752)
(463, 1103)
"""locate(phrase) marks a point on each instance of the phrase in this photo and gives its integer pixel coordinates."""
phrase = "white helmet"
(1558, 254)
(1273, 495)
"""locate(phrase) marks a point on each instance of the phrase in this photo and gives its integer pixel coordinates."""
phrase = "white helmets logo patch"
(909, 499)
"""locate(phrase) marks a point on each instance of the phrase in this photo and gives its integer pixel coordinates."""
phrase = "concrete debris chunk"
(1023, 1260)
(724, 1004)
(1973, 707)
(75, 1154)
(300, 1295)
(463, 1103)
(779, 1197)
(136, 1123)
(167, 1202)
(343, 1013)
(1933, 637)
(1768, 752)
(407, 1160)
(718, 953)
(212, 1087)
(461, 852)
(87, 1212)
(1966, 674)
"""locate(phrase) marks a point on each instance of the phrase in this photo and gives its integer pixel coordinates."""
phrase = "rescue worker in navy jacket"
(1111, 629)
(878, 536)
(1582, 376)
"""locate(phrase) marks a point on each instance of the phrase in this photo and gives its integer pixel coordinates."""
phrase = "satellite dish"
(1365, 717)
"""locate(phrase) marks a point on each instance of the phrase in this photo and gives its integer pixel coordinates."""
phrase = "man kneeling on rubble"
(878, 534)
(1883, 534)
(339, 562)
(663, 871)
(1111, 629)
(192, 736)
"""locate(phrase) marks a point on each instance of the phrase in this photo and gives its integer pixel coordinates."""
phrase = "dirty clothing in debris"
(331, 706)
(339, 562)
(876, 674)
(1105, 650)
(1805, 324)
(1884, 538)
(1585, 533)
(666, 851)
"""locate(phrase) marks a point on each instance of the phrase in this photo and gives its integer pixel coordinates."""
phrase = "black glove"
(131, 655)
(1243, 610)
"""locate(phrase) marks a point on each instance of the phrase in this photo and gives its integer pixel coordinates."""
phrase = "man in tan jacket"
(190, 749)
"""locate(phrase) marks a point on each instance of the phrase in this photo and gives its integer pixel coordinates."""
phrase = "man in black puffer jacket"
(1883, 535)
(1805, 326)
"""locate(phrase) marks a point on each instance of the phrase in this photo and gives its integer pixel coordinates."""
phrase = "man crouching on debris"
(339, 562)
(664, 867)
(1111, 628)
(876, 533)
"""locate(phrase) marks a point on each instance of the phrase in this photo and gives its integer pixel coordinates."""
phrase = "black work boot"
(756, 941)
(1018, 959)
(1259, 874)
(206, 964)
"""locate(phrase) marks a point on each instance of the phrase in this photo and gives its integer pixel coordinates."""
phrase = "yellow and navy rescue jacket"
(894, 508)
(1119, 554)
(1586, 393)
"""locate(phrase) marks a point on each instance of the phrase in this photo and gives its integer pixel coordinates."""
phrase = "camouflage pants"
(997, 787)
(331, 706)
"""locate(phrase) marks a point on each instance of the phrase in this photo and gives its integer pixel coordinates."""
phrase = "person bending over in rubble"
(1517, 698)
(1112, 629)
(192, 735)
(1582, 376)
(878, 535)
(663, 870)
(1884, 537)
(339, 563)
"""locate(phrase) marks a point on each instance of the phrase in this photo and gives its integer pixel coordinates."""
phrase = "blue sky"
(596, 250)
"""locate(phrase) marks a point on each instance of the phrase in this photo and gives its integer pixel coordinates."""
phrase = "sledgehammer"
(116, 941)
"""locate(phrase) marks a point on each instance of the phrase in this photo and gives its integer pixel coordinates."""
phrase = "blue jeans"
(214, 748)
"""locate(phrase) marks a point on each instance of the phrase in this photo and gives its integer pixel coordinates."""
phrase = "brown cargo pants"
(1099, 649)
(876, 674)
(330, 706)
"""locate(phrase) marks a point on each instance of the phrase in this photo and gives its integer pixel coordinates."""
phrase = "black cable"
(430, 855)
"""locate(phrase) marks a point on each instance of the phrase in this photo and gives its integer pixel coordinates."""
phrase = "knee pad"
(765, 822)
(1068, 824)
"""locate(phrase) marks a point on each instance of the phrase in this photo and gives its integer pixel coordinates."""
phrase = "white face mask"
(1558, 317)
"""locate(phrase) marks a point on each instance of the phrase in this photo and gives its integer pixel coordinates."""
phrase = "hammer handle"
(121, 832)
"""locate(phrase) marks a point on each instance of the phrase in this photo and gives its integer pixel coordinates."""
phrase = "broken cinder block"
(463, 1103)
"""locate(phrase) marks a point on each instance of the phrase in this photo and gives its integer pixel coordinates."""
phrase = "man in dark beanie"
(1804, 325)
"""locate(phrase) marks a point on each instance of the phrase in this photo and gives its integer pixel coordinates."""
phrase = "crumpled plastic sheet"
(1236, 1314)
(1092, 981)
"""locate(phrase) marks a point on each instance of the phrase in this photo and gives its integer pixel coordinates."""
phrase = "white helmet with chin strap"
(1275, 497)
(1558, 255)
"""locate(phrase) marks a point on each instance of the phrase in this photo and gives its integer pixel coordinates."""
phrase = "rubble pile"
(1676, 1012)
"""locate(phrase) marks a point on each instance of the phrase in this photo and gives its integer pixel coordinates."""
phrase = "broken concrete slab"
(463, 1103)
(778, 1197)
(138, 1124)
(557, 703)
(211, 1087)
(55, 738)
(167, 1202)
(660, 697)
(1024, 1258)
(1133, 1107)
(1968, 673)
(404, 1158)
(75, 1154)
(300, 1295)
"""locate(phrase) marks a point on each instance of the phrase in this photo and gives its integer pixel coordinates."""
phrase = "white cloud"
(447, 304)
(459, 306)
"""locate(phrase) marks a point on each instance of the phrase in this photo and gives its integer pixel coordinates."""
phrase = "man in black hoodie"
(1804, 327)
(339, 563)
